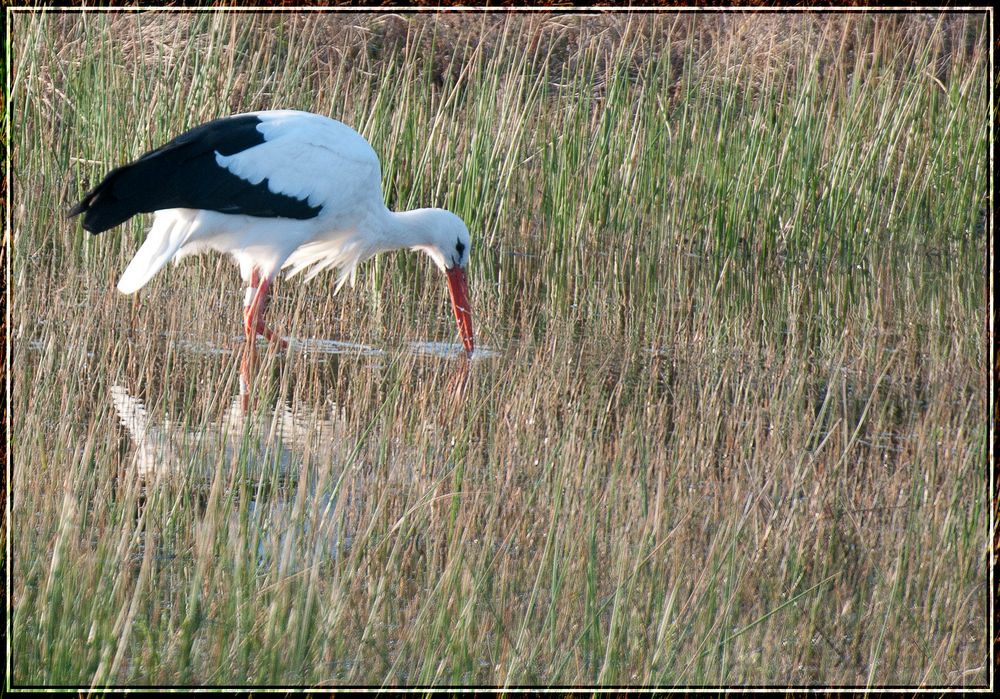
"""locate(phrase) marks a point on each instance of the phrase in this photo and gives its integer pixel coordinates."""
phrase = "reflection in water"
(273, 437)
(288, 470)
(266, 438)
(296, 475)
(443, 350)
(448, 350)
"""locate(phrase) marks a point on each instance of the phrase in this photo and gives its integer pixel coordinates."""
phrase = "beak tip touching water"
(459, 291)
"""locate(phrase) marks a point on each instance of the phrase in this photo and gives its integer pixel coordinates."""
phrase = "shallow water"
(265, 443)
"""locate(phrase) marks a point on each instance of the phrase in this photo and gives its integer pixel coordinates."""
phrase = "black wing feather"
(184, 174)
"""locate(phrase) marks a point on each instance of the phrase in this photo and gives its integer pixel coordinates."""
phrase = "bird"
(277, 190)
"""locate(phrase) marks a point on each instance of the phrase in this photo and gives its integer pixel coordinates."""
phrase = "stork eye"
(460, 246)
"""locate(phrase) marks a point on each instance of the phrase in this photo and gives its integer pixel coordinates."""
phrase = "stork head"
(445, 238)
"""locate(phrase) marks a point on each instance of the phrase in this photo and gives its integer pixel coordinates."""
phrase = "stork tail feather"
(166, 236)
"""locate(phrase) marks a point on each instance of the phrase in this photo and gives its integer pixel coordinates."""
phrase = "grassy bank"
(731, 427)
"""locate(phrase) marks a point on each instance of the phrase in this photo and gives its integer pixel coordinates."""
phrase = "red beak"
(460, 304)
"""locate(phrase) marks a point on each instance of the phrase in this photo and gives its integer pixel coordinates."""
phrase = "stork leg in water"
(254, 306)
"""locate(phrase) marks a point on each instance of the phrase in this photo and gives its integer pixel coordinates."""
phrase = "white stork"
(276, 189)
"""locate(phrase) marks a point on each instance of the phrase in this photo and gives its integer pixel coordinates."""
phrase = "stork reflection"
(241, 440)
(258, 432)
(303, 471)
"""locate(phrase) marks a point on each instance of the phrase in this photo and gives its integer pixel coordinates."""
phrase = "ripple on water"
(444, 350)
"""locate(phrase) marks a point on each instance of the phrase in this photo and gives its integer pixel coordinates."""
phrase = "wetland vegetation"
(730, 420)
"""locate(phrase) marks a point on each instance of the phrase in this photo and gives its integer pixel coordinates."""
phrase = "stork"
(277, 190)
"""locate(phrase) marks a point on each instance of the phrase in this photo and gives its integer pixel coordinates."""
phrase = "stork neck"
(411, 229)
(432, 231)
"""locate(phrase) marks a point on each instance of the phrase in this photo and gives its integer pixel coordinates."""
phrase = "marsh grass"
(734, 429)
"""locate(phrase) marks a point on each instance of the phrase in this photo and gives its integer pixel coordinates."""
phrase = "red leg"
(248, 303)
(247, 371)
(254, 306)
